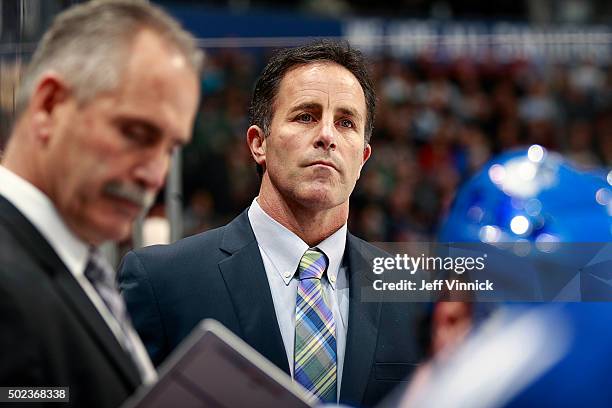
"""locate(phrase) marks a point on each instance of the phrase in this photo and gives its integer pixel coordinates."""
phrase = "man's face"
(107, 157)
(316, 147)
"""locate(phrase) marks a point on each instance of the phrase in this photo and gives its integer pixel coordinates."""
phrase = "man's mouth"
(324, 163)
(126, 207)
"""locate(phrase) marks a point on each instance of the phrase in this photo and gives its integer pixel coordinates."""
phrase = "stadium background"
(457, 82)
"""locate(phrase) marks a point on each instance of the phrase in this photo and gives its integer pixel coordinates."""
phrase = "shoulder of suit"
(23, 281)
(203, 244)
(365, 248)
(13, 254)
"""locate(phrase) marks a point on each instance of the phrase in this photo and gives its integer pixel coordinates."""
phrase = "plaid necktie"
(315, 330)
(101, 275)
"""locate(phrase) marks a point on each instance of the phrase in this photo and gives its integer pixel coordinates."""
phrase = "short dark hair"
(338, 52)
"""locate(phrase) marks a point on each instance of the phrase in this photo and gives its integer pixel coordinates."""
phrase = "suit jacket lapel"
(362, 326)
(247, 284)
(95, 324)
(74, 296)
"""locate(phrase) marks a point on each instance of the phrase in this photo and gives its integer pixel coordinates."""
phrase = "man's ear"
(257, 144)
(367, 152)
(50, 93)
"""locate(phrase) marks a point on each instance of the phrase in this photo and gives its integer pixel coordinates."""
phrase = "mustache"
(131, 192)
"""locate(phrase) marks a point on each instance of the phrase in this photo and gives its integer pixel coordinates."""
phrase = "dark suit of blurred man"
(286, 275)
(112, 88)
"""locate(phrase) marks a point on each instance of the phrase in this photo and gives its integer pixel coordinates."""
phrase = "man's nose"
(326, 137)
(152, 172)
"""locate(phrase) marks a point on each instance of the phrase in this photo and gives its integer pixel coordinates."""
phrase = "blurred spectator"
(581, 145)
(437, 124)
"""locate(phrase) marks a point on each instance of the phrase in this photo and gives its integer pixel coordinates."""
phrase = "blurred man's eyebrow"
(306, 106)
(139, 124)
(137, 120)
(350, 112)
(151, 129)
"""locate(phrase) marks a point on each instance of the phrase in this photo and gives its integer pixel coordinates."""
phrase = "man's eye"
(136, 133)
(346, 123)
(305, 117)
(143, 135)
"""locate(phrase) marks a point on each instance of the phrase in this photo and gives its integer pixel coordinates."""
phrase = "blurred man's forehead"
(158, 78)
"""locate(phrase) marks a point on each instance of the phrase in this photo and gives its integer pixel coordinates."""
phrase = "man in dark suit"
(111, 89)
(285, 275)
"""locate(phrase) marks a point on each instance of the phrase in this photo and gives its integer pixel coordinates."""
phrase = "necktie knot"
(312, 264)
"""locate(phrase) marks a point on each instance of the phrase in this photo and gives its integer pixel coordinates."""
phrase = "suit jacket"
(50, 332)
(219, 274)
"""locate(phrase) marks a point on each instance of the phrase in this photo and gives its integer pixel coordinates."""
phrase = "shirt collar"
(285, 249)
(41, 212)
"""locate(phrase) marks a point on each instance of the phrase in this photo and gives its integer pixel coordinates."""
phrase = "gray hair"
(88, 44)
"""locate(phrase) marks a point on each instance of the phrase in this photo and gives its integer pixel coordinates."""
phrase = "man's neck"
(311, 225)
(20, 145)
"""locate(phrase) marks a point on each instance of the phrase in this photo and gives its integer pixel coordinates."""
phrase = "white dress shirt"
(73, 252)
(281, 251)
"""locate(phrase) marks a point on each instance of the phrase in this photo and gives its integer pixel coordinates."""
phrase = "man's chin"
(117, 236)
(319, 199)
(113, 229)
